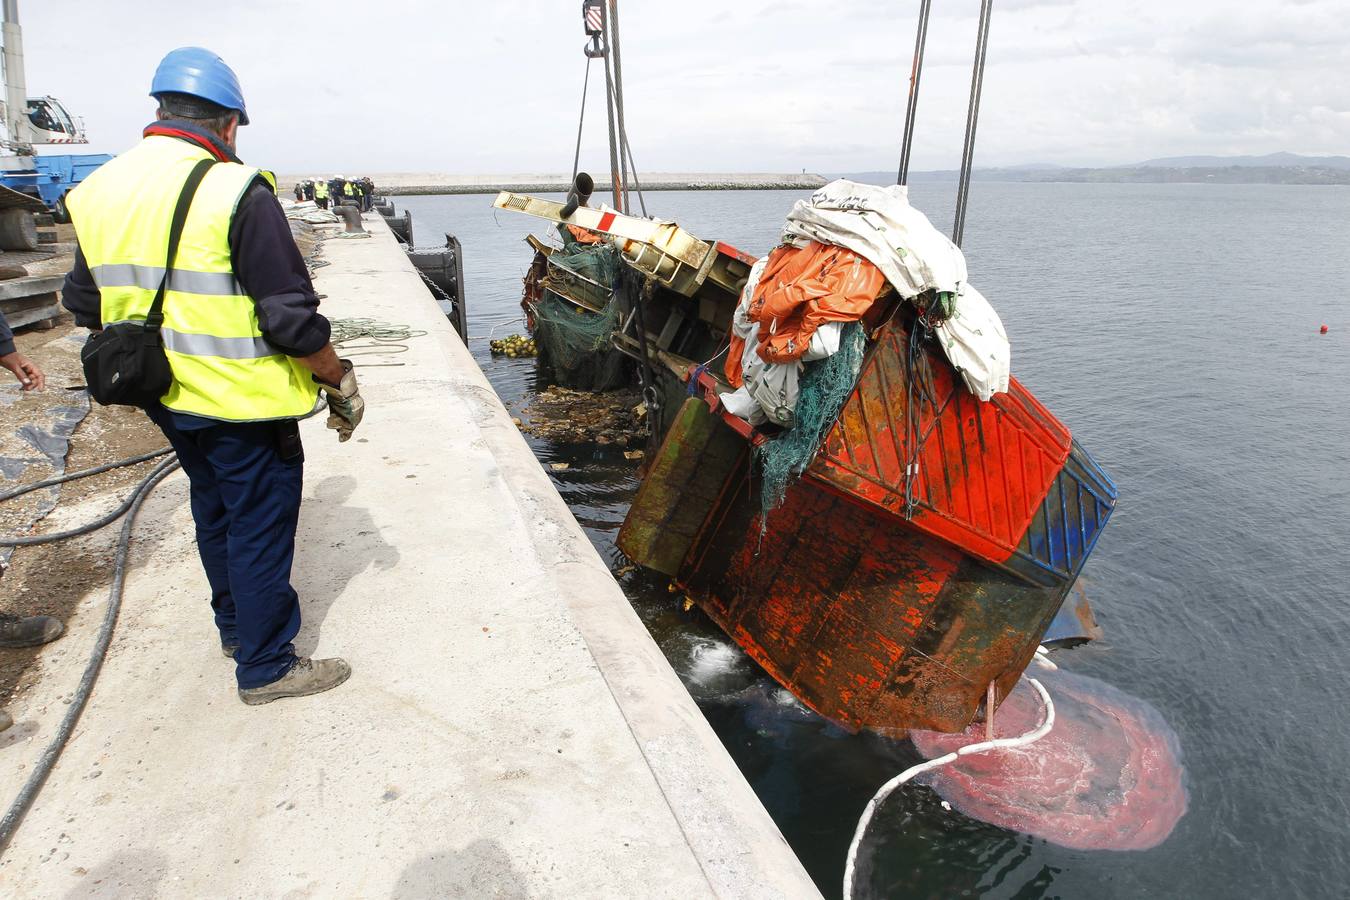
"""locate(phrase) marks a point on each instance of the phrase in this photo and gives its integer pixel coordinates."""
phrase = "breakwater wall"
(402, 184)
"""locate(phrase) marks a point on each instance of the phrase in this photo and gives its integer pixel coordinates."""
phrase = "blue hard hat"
(198, 72)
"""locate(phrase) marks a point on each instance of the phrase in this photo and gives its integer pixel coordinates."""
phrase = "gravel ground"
(54, 579)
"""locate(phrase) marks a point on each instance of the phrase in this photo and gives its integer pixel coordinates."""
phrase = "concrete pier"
(510, 729)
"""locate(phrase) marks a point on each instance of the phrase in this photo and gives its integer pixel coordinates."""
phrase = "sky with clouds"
(717, 85)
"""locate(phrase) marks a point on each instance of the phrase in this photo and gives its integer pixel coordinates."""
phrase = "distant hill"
(1274, 168)
(1270, 160)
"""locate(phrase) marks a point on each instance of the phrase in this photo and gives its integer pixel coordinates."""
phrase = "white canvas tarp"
(879, 225)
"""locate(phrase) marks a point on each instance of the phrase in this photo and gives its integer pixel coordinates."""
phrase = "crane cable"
(614, 92)
(912, 107)
(581, 120)
(972, 119)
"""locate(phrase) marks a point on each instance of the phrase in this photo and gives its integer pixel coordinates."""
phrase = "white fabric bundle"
(879, 225)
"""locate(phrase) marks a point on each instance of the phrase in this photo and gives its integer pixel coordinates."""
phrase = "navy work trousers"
(246, 504)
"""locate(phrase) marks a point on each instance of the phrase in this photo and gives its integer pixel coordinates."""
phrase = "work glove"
(345, 406)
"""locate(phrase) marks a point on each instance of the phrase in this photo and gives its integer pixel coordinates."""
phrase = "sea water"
(1174, 330)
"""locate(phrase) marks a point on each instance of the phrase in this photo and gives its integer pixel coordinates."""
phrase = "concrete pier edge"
(736, 842)
(510, 728)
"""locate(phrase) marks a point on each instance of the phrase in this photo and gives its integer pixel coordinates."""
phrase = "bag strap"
(155, 318)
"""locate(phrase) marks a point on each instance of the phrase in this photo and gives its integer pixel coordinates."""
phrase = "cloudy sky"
(717, 85)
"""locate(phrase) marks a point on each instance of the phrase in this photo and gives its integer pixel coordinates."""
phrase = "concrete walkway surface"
(510, 729)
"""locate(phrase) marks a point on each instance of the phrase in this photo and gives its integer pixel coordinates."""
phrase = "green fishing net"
(574, 343)
(822, 390)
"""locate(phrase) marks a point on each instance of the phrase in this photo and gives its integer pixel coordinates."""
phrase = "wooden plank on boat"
(683, 488)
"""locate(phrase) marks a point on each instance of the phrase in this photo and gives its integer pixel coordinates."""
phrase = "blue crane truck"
(51, 178)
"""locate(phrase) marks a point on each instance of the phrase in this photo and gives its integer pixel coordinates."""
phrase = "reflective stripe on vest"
(222, 366)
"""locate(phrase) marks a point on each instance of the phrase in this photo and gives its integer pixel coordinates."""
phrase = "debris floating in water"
(1107, 777)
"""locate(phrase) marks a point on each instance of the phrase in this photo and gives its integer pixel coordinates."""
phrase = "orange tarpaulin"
(800, 290)
(583, 236)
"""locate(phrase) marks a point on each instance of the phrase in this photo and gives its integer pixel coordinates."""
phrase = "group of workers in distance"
(357, 191)
(247, 349)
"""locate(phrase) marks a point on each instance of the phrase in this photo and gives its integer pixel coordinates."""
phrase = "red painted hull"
(875, 612)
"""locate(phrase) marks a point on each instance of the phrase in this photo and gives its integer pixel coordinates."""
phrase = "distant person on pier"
(246, 345)
(321, 193)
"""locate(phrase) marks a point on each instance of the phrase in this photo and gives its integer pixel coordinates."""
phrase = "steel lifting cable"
(612, 21)
(619, 189)
(28, 793)
(972, 120)
(581, 120)
(919, 385)
(642, 201)
(912, 107)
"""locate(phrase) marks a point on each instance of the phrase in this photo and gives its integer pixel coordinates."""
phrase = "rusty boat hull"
(921, 556)
(881, 610)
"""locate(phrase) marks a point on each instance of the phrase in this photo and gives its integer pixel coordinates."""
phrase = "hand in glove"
(345, 406)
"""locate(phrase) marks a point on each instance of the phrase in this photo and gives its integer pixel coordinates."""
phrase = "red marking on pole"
(605, 222)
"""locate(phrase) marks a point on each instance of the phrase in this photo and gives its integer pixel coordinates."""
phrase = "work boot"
(29, 631)
(307, 676)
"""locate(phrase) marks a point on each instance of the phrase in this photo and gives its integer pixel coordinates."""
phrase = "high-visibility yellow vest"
(320, 190)
(222, 366)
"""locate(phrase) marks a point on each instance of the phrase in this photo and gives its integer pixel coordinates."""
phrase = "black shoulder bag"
(125, 364)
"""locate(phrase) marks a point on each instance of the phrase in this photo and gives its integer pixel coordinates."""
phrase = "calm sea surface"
(1173, 328)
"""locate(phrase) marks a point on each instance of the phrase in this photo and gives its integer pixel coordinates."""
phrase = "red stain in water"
(1108, 776)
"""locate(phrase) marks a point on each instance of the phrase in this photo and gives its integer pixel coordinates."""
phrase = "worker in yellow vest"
(248, 350)
(321, 193)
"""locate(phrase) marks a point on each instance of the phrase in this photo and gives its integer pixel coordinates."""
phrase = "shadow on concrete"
(342, 542)
(18, 733)
(482, 869)
(128, 873)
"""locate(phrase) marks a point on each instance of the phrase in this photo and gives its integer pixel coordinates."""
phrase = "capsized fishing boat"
(922, 547)
(848, 480)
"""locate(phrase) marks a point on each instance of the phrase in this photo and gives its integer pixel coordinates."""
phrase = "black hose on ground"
(83, 473)
(108, 519)
(14, 816)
